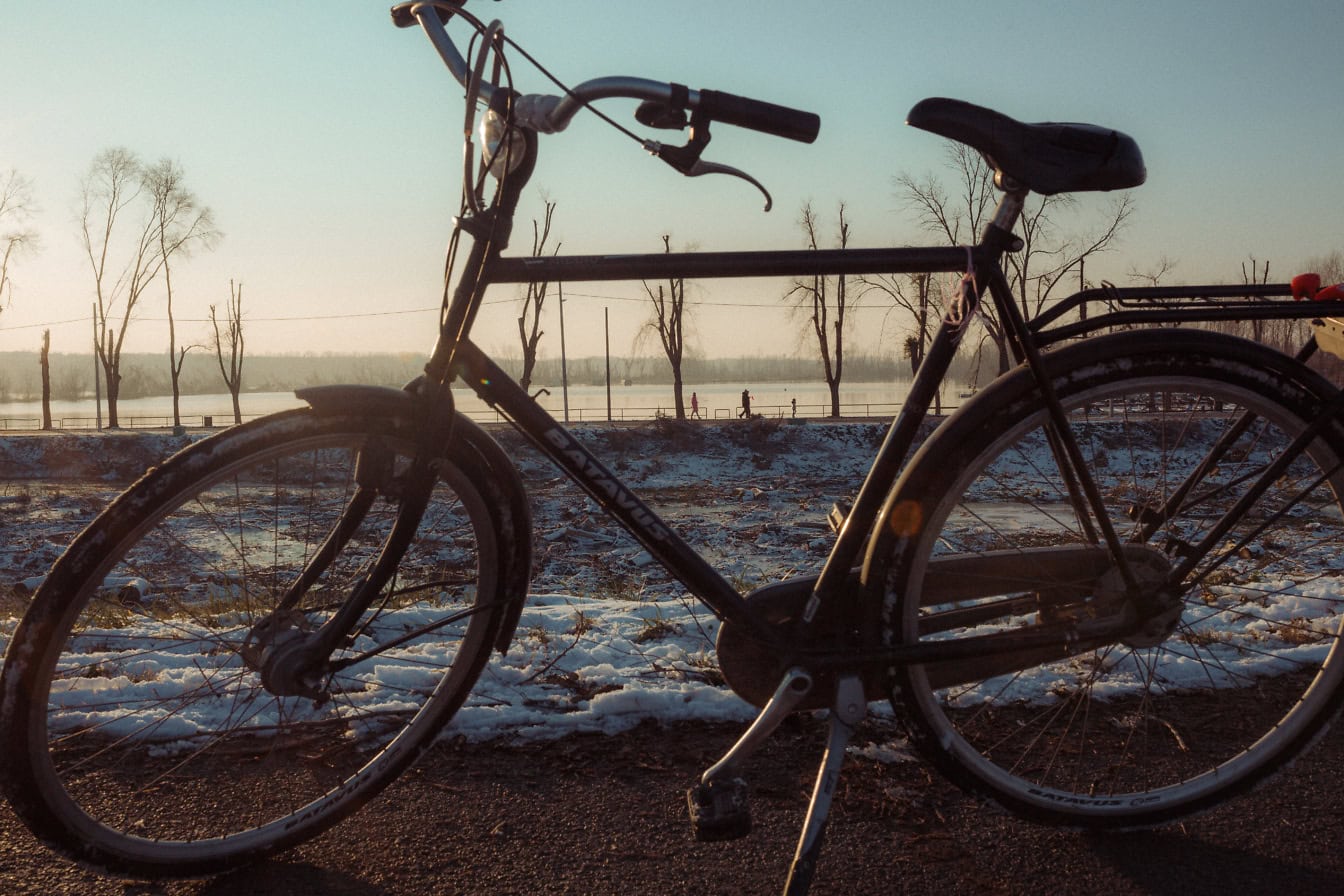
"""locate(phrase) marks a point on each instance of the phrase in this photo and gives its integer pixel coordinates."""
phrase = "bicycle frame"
(456, 353)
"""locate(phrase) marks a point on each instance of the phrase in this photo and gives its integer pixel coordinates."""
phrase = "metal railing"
(811, 411)
(126, 421)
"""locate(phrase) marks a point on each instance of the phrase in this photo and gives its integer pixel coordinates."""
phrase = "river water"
(585, 403)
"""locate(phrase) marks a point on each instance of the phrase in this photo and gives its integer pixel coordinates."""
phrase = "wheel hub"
(280, 650)
(1157, 607)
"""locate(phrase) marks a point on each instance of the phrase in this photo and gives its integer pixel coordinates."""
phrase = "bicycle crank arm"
(718, 803)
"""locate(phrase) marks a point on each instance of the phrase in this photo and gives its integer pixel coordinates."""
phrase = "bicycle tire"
(1135, 734)
(138, 729)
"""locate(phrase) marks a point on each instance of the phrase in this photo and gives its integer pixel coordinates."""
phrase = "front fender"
(487, 466)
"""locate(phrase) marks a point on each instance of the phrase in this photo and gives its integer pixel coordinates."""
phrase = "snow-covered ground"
(608, 639)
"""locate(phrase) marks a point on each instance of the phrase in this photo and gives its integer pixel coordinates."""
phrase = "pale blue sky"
(326, 142)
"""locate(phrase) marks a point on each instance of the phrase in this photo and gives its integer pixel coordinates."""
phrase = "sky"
(327, 144)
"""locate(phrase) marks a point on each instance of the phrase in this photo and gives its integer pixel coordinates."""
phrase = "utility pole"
(1082, 281)
(564, 374)
(606, 331)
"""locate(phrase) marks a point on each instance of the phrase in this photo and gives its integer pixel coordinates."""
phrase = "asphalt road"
(599, 815)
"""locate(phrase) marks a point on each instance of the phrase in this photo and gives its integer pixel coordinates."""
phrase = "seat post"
(1009, 211)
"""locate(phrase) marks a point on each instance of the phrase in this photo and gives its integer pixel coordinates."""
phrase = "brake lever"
(686, 159)
(702, 167)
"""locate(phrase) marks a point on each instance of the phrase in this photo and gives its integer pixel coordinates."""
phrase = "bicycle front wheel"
(1180, 432)
(153, 726)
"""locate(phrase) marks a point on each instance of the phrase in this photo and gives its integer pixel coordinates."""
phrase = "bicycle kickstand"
(850, 708)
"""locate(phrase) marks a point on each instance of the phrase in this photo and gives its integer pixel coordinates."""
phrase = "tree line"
(145, 375)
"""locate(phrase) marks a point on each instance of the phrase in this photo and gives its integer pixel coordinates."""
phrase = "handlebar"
(552, 114)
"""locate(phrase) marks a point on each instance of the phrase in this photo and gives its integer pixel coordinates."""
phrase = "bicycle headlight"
(502, 147)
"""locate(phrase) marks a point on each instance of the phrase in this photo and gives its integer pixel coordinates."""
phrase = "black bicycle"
(1132, 532)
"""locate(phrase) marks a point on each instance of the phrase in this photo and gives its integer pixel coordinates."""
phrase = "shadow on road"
(1180, 864)
(290, 877)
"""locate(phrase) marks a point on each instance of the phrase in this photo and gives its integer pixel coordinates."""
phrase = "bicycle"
(1127, 532)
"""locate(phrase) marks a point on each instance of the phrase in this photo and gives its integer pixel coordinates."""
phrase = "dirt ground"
(606, 815)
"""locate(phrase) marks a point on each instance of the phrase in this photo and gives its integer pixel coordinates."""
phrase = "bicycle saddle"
(1046, 158)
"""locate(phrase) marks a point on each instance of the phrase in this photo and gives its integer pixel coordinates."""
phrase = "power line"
(202, 320)
(357, 314)
(365, 314)
(702, 302)
(54, 323)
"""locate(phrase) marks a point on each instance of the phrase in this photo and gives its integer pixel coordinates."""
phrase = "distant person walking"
(695, 405)
(795, 407)
(746, 405)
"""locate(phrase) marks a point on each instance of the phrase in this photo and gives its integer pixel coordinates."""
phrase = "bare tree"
(233, 337)
(957, 218)
(181, 223)
(1330, 266)
(1049, 256)
(1284, 335)
(1256, 276)
(960, 218)
(16, 208)
(669, 312)
(1154, 275)
(822, 300)
(529, 331)
(914, 294)
(124, 260)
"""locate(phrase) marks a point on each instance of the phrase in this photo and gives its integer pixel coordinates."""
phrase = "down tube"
(495, 387)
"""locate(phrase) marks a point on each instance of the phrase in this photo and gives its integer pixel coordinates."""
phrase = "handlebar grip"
(757, 115)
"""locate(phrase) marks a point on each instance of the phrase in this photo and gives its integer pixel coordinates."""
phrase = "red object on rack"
(1308, 286)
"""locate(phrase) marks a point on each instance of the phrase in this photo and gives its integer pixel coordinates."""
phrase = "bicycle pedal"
(839, 511)
(719, 810)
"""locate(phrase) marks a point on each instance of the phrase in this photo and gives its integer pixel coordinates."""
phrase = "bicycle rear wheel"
(149, 725)
(1240, 675)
